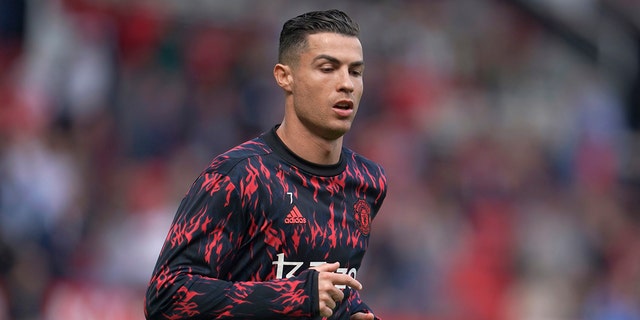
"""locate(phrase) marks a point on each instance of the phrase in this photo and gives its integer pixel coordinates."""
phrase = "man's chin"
(337, 132)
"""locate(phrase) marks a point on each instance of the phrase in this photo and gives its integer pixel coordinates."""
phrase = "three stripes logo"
(295, 217)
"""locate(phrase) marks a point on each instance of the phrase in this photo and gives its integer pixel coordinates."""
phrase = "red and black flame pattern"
(251, 226)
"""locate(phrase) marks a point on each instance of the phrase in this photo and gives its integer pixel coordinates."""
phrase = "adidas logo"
(294, 216)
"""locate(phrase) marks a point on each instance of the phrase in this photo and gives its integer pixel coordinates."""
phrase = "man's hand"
(327, 291)
(362, 316)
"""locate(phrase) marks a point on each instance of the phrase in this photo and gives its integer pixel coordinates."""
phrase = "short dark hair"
(293, 36)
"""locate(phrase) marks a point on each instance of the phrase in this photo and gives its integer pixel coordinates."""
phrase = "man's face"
(327, 84)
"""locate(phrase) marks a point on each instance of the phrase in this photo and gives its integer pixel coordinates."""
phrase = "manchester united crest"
(362, 213)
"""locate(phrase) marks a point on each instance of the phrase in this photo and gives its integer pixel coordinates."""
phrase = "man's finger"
(327, 267)
(326, 312)
(343, 279)
(331, 304)
(336, 295)
(362, 316)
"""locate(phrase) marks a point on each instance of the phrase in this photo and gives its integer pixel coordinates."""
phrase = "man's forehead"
(333, 44)
(324, 38)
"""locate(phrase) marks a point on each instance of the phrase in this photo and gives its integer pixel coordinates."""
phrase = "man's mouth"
(344, 105)
(344, 108)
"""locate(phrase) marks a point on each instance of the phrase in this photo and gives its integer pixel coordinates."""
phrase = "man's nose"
(346, 82)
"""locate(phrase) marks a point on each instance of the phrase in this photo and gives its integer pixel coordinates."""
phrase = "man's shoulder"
(361, 160)
(367, 172)
(239, 156)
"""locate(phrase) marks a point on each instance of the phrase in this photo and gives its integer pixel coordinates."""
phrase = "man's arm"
(197, 297)
(199, 250)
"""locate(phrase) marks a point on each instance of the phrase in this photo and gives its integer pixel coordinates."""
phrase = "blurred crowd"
(513, 193)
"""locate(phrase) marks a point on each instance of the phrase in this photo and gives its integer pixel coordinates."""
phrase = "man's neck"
(310, 147)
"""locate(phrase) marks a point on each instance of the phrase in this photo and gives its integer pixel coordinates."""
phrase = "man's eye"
(357, 73)
(326, 69)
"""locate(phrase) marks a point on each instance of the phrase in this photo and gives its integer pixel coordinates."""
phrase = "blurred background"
(508, 129)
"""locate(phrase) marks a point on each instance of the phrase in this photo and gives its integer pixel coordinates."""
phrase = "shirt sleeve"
(209, 227)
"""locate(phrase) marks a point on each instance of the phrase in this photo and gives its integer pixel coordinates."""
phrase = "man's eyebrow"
(335, 60)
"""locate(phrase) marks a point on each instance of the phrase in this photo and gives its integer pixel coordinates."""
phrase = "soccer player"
(276, 228)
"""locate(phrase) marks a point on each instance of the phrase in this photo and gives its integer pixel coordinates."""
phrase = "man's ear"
(283, 76)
